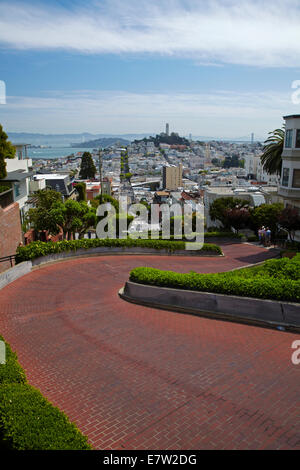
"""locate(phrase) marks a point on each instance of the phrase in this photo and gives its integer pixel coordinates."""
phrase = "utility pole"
(100, 175)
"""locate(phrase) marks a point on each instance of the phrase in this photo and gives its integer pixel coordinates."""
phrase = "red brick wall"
(10, 232)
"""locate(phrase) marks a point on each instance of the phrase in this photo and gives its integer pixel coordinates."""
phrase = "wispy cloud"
(220, 113)
(256, 32)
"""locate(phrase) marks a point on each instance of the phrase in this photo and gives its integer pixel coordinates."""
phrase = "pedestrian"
(89, 234)
(260, 235)
(263, 235)
(268, 236)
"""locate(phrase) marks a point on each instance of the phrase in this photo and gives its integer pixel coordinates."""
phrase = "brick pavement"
(133, 377)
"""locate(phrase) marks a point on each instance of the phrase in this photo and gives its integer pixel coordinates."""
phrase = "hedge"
(11, 372)
(27, 420)
(37, 249)
(259, 286)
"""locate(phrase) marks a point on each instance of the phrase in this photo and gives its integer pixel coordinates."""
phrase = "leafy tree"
(74, 216)
(266, 215)
(106, 198)
(218, 209)
(7, 150)
(238, 217)
(273, 147)
(289, 219)
(232, 162)
(43, 217)
(52, 214)
(216, 162)
(87, 169)
(81, 189)
(128, 176)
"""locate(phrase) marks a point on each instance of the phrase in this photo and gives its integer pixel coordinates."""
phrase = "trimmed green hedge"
(256, 283)
(11, 372)
(27, 420)
(37, 249)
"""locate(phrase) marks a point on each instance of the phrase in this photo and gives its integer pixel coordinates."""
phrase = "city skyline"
(215, 69)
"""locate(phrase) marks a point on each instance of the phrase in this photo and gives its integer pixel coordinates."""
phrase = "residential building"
(172, 177)
(19, 177)
(289, 187)
(59, 183)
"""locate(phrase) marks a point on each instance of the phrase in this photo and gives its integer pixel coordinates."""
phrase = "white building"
(20, 178)
(289, 187)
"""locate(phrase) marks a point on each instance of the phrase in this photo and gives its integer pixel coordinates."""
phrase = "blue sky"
(214, 68)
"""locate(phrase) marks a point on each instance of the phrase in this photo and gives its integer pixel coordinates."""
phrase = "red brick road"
(133, 377)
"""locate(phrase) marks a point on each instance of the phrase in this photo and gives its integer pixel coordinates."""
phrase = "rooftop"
(51, 176)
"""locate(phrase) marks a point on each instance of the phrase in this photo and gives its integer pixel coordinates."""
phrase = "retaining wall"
(267, 312)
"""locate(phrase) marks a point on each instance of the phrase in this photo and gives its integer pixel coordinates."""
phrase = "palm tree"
(271, 158)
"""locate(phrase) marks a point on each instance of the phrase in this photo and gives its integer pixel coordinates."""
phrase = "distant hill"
(173, 139)
(65, 140)
(102, 143)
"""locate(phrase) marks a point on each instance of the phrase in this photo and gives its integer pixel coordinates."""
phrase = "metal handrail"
(10, 258)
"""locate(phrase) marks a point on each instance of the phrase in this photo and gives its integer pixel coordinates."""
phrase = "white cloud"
(255, 32)
(221, 113)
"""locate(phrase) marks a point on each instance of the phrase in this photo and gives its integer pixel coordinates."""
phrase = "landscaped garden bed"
(41, 249)
(274, 280)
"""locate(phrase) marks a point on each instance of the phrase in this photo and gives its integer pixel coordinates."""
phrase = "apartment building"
(172, 177)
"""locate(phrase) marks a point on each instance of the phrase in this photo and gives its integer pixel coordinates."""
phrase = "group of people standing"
(264, 236)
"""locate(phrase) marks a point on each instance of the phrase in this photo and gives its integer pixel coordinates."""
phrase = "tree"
(7, 150)
(289, 219)
(44, 216)
(128, 176)
(232, 162)
(218, 209)
(238, 217)
(273, 147)
(81, 189)
(87, 169)
(216, 162)
(53, 215)
(106, 198)
(266, 215)
(74, 217)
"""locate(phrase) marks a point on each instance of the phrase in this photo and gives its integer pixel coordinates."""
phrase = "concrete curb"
(21, 269)
(261, 312)
(14, 273)
(105, 251)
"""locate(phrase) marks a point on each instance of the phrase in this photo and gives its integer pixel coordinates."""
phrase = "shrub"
(283, 268)
(4, 187)
(256, 283)
(27, 420)
(11, 371)
(37, 249)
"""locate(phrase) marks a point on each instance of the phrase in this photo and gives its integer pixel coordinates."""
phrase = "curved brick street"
(133, 377)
